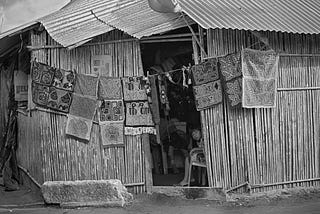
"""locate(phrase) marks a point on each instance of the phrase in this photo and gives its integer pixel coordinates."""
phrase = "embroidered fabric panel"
(83, 107)
(233, 89)
(138, 114)
(64, 79)
(110, 88)
(112, 134)
(134, 88)
(79, 127)
(42, 74)
(139, 130)
(51, 97)
(86, 85)
(111, 111)
(205, 72)
(260, 70)
(207, 95)
(230, 66)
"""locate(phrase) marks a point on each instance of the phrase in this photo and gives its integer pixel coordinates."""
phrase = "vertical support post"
(147, 159)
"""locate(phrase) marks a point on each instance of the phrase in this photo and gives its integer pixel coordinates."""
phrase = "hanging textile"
(260, 70)
(42, 74)
(134, 88)
(51, 97)
(153, 98)
(80, 118)
(138, 114)
(112, 134)
(163, 94)
(110, 88)
(111, 111)
(79, 127)
(207, 95)
(231, 74)
(64, 79)
(139, 130)
(86, 85)
(205, 72)
(83, 107)
(233, 90)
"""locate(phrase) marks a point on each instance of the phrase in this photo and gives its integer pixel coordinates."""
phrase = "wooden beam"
(147, 159)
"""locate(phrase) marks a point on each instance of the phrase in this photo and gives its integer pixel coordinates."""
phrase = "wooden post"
(147, 159)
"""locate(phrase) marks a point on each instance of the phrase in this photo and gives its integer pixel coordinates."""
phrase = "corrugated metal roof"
(295, 16)
(84, 19)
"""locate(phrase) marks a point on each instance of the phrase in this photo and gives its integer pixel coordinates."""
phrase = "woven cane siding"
(42, 137)
(266, 146)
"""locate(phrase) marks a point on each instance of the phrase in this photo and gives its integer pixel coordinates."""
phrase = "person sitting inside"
(195, 141)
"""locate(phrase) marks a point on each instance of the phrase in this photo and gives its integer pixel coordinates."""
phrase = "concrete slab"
(107, 193)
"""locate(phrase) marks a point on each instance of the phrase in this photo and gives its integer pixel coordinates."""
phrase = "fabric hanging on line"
(110, 88)
(64, 79)
(80, 117)
(207, 95)
(230, 66)
(205, 72)
(51, 97)
(139, 130)
(138, 114)
(231, 74)
(79, 127)
(86, 85)
(83, 107)
(233, 89)
(134, 88)
(111, 111)
(163, 93)
(42, 74)
(112, 134)
(260, 70)
(153, 98)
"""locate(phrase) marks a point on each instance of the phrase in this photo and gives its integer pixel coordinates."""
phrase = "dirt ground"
(296, 201)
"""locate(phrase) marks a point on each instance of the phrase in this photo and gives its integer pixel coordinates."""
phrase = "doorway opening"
(170, 60)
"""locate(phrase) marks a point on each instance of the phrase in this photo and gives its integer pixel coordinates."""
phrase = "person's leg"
(186, 168)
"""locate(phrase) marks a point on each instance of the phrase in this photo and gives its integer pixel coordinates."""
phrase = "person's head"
(196, 134)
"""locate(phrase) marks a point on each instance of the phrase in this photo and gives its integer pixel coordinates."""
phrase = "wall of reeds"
(43, 147)
(268, 148)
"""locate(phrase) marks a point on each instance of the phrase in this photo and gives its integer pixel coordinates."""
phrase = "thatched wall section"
(268, 146)
(43, 147)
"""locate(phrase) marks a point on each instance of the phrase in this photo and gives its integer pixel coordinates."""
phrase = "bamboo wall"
(268, 146)
(43, 147)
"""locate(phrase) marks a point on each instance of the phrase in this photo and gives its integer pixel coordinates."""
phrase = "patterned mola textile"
(79, 127)
(111, 111)
(207, 95)
(231, 74)
(134, 88)
(64, 79)
(112, 134)
(51, 97)
(138, 114)
(83, 107)
(42, 74)
(260, 70)
(110, 88)
(86, 85)
(205, 72)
